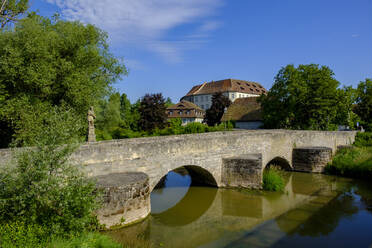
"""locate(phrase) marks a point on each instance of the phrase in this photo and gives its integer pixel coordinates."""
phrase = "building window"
(196, 99)
(206, 98)
(207, 106)
(202, 98)
(180, 112)
(232, 95)
(202, 106)
(170, 112)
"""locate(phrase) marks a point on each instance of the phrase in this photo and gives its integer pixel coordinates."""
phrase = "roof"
(244, 109)
(185, 109)
(228, 85)
(184, 105)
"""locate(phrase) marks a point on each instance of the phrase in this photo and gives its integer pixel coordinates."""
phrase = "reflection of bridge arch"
(279, 161)
(185, 212)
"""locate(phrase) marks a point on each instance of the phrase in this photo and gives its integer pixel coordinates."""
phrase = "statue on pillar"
(91, 116)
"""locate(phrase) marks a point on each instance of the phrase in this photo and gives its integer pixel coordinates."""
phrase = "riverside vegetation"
(355, 161)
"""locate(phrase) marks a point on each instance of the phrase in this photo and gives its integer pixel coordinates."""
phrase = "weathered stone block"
(244, 171)
(126, 198)
(311, 159)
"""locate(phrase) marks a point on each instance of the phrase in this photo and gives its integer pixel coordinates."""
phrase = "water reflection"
(210, 217)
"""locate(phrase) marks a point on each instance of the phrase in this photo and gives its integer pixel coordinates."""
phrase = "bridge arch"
(279, 161)
(199, 176)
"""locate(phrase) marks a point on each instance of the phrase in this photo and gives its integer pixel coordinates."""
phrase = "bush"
(272, 180)
(355, 162)
(363, 139)
(42, 187)
(17, 234)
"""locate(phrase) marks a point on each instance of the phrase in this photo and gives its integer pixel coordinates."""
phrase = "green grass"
(355, 162)
(18, 234)
(272, 180)
(86, 240)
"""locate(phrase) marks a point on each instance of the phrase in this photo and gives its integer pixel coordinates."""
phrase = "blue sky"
(171, 45)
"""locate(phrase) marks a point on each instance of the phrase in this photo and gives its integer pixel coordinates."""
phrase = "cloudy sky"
(171, 45)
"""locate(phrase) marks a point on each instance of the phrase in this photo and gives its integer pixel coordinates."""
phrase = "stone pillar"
(244, 171)
(311, 159)
(126, 198)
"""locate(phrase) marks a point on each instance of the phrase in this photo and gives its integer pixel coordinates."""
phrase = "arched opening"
(280, 163)
(173, 198)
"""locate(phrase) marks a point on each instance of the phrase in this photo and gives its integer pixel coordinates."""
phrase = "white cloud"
(143, 22)
(355, 35)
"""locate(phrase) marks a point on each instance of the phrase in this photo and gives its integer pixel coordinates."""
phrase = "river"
(313, 211)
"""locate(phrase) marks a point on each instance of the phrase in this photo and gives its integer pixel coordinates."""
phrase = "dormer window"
(248, 84)
(238, 83)
(241, 88)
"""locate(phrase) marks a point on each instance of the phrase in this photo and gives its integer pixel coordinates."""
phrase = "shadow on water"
(314, 211)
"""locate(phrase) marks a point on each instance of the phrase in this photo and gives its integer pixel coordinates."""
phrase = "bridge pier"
(311, 159)
(126, 198)
(243, 171)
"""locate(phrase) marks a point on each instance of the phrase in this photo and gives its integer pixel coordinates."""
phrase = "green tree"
(168, 102)
(41, 186)
(53, 63)
(215, 112)
(152, 111)
(306, 97)
(10, 10)
(364, 103)
(125, 111)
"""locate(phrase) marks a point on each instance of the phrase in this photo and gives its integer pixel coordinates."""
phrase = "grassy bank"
(355, 161)
(272, 180)
(18, 234)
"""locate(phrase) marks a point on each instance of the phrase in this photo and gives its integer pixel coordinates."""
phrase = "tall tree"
(152, 110)
(125, 111)
(305, 97)
(215, 112)
(10, 10)
(53, 63)
(364, 103)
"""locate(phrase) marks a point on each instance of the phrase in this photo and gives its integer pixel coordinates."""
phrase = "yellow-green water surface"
(309, 213)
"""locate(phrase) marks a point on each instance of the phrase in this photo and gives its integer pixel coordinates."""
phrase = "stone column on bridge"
(126, 198)
(243, 171)
(311, 159)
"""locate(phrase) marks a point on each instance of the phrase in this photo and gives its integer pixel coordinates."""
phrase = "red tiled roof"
(228, 85)
(244, 109)
(185, 109)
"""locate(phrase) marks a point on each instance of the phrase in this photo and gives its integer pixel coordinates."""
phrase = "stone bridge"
(202, 153)
(222, 159)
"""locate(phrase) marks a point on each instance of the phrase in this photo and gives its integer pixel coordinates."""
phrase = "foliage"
(168, 102)
(272, 180)
(152, 110)
(354, 162)
(10, 10)
(18, 234)
(53, 63)
(214, 114)
(363, 139)
(42, 187)
(364, 103)
(306, 97)
(86, 240)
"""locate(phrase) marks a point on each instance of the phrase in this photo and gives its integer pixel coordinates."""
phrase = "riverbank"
(354, 161)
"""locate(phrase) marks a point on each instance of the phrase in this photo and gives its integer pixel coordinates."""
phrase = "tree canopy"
(306, 97)
(152, 110)
(214, 114)
(364, 103)
(45, 63)
(10, 10)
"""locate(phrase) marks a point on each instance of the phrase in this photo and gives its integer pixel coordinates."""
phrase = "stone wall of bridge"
(156, 156)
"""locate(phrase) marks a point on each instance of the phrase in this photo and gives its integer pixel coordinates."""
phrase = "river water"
(313, 211)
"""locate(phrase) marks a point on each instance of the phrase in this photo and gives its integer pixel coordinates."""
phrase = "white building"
(201, 94)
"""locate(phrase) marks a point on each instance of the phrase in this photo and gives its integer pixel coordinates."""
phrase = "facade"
(187, 111)
(245, 112)
(201, 95)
